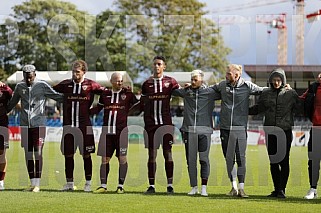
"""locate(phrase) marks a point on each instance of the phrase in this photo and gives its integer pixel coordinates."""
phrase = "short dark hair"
(159, 57)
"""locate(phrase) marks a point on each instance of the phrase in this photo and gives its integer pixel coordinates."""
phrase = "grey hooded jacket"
(278, 105)
(198, 108)
(235, 102)
(33, 100)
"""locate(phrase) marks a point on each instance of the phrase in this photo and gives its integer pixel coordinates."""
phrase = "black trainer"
(170, 190)
(120, 190)
(281, 194)
(150, 190)
(273, 194)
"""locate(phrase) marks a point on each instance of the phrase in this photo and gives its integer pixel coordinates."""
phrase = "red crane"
(277, 22)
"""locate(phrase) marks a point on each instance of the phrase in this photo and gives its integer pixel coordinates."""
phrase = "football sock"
(122, 172)
(234, 184)
(2, 175)
(204, 181)
(104, 171)
(88, 167)
(151, 172)
(241, 185)
(69, 168)
(38, 164)
(31, 168)
(169, 168)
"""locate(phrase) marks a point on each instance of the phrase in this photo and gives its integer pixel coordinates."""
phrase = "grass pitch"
(258, 184)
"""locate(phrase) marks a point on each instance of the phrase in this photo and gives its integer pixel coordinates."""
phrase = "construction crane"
(299, 49)
(278, 22)
(314, 16)
(253, 4)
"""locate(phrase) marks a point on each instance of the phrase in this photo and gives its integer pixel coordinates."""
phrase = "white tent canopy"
(103, 77)
(54, 77)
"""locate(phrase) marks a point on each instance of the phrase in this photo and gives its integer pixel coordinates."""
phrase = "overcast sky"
(250, 42)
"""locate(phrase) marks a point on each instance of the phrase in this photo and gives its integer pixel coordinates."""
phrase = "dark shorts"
(32, 139)
(4, 137)
(109, 143)
(74, 137)
(153, 138)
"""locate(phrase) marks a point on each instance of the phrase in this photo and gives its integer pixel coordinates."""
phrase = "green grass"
(258, 185)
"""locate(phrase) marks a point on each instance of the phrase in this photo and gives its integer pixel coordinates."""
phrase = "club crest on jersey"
(166, 84)
(123, 96)
(24, 91)
(84, 87)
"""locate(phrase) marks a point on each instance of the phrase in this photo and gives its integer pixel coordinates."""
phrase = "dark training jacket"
(278, 105)
(309, 100)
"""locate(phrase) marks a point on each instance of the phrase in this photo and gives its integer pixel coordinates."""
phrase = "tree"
(8, 46)
(3, 75)
(105, 44)
(177, 29)
(51, 34)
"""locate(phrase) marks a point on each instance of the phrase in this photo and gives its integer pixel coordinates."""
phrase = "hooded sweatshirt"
(278, 105)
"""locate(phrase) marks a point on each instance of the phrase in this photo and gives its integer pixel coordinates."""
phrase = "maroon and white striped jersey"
(155, 100)
(116, 106)
(5, 96)
(78, 99)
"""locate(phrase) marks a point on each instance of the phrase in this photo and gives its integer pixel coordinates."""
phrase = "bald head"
(116, 81)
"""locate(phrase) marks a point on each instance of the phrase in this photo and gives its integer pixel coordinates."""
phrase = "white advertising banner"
(54, 134)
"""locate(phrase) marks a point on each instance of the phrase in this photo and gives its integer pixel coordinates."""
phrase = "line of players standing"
(77, 94)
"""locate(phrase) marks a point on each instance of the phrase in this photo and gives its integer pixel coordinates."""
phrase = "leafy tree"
(8, 46)
(51, 34)
(3, 75)
(105, 44)
(177, 29)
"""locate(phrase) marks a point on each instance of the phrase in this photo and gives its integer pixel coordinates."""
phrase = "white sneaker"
(68, 187)
(193, 191)
(1, 185)
(203, 192)
(36, 189)
(312, 194)
(87, 187)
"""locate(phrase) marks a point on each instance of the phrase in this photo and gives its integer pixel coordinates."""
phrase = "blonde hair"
(236, 67)
(80, 64)
(114, 75)
(197, 72)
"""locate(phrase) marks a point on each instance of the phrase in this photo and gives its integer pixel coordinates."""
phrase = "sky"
(250, 42)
